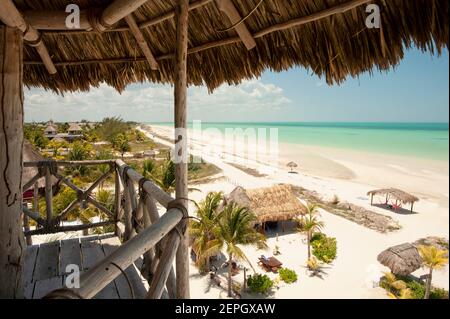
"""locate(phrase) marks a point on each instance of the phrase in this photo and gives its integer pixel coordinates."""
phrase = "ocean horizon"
(418, 140)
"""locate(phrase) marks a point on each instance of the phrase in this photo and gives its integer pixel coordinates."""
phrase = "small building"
(50, 131)
(270, 204)
(75, 129)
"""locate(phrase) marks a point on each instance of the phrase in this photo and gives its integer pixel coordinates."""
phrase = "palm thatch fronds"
(275, 203)
(401, 259)
(332, 46)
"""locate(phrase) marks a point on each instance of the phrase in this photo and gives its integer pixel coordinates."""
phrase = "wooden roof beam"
(11, 17)
(141, 41)
(230, 10)
(56, 20)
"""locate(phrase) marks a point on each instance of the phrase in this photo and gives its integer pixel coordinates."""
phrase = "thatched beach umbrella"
(397, 194)
(401, 259)
(292, 165)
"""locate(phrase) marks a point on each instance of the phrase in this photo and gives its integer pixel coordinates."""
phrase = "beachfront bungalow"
(178, 42)
(276, 204)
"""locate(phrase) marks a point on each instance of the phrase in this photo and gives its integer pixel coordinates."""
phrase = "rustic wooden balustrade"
(136, 221)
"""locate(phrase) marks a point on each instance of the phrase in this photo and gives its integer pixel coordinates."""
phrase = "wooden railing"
(53, 224)
(136, 219)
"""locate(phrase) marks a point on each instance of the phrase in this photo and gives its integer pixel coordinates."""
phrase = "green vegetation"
(310, 224)
(228, 228)
(287, 275)
(406, 287)
(324, 248)
(203, 231)
(121, 144)
(432, 258)
(235, 228)
(259, 284)
(35, 134)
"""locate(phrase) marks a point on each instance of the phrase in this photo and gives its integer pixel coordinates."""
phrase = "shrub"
(416, 288)
(287, 275)
(438, 293)
(259, 284)
(324, 248)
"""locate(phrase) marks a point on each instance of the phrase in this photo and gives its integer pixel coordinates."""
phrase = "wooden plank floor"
(45, 267)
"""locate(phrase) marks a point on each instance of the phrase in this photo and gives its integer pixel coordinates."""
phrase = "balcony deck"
(45, 267)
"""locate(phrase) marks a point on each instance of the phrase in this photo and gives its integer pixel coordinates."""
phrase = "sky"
(416, 91)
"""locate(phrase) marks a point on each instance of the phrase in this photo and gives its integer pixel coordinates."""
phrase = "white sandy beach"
(349, 175)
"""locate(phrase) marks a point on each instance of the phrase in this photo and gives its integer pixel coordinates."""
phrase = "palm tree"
(148, 166)
(236, 228)
(310, 224)
(432, 258)
(121, 144)
(167, 177)
(203, 230)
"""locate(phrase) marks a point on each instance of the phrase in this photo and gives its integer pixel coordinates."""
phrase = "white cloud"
(151, 102)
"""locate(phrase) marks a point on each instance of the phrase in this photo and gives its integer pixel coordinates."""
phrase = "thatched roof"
(31, 155)
(287, 34)
(292, 164)
(402, 259)
(395, 193)
(50, 129)
(74, 127)
(275, 203)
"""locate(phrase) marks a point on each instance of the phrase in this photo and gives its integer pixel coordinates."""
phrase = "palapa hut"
(396, 194)
(270, 204)
(402, 259)
(182, 42)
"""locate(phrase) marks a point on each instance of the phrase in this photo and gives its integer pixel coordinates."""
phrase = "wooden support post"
(141, 41)
(48, 195)
(230, 10)
(11, 17)
(164, 266)
(371, 199)
(181, 187)
(12, 244)
(26, 228)
(117, 203)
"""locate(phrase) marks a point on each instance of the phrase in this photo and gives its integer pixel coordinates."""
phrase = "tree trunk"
(428, 285)
(230, 267)
(309, 244)
(12, 244)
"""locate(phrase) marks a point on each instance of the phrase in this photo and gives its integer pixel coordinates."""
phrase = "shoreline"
(427, 178)
(358, 246)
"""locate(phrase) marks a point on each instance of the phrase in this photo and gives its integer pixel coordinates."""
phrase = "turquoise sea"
(420, 140)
